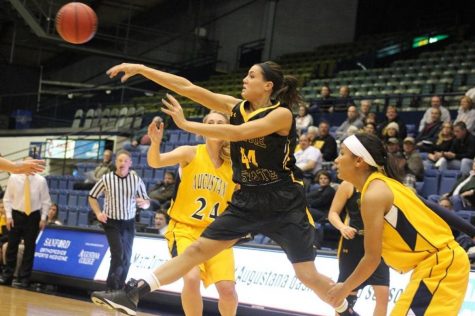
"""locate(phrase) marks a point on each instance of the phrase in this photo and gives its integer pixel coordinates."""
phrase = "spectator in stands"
(325, 142)
(92, 177)
(370, 118)
(365, 108)
(162, 192)
(312, 133)
(435, 102)
(391, 131)
(123, 190)
(303, 119)
(393, 147)
(344, 100)
(444, 141)
(462, 194)
(26, 202)
(52, 218)
(446, 202)
(308, 159)
(466, 114)
(161, 222)
(370, 128)
(426, 138)
(321, 198)
(353, 118)
(140, 140)
(471, 94)
(461, 153)
(324, 103)
(392, 116)
(413, 161)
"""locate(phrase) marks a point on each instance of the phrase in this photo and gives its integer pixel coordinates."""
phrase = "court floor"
(15, 302)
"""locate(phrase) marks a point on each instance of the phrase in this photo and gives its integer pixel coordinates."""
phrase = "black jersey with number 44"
(263, 160)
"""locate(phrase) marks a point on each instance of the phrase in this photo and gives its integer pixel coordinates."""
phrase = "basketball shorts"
(276, 211)
(218, 268)
(350, 254)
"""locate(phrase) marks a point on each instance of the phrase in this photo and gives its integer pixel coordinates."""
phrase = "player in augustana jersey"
(271, 202)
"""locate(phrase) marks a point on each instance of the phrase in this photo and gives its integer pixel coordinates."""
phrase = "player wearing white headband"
(408, 232)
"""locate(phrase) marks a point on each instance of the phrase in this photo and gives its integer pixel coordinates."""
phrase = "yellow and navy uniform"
(416, 238)
(263, 160)
(203, 192)
(269, 200)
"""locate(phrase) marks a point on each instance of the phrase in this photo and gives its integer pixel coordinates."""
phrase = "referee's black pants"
(25, 227)
(120, 235)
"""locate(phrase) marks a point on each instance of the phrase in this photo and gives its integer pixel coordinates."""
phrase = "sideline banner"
(264, 277)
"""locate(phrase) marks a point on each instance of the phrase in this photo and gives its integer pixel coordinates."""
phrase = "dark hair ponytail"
(376, 149)
(285, 87)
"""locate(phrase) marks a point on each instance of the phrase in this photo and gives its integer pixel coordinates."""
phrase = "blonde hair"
(225, 152)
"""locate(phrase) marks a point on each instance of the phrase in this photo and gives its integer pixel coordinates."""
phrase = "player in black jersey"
(270, 201)
(351, 248)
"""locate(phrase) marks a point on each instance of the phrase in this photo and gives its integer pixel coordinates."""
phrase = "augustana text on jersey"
(210, 182)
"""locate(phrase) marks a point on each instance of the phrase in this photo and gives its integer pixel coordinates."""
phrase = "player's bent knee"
(226, 290)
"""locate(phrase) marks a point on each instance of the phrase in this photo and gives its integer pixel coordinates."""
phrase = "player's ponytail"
(285, 87)
(376, 149)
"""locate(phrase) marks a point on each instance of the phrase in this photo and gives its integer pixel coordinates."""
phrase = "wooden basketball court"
(15, 302)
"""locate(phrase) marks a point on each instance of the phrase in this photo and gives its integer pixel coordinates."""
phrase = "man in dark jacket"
(326, 142)
(460, 155)
(392, 116)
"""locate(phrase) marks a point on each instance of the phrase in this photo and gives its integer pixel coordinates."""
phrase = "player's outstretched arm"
(180, 85)
(30, 166)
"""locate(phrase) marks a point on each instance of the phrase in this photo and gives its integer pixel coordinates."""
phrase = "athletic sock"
(343, 307)
(152, 281)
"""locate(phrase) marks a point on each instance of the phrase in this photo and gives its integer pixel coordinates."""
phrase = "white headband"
(357, 148)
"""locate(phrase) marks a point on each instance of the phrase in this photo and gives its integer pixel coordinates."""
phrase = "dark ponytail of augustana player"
(376, 149)
(285, 87)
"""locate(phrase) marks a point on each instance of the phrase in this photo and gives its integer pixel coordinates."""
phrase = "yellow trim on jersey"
(246, 117)
(204, 191)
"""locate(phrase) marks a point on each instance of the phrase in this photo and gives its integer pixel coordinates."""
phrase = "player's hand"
(29, 166)
(142, 203)
(129, 70)
(102, 217)
(155, 132)
(173, 108)
(42, 224)
(10, 223)
(337, 294)
(348, 232)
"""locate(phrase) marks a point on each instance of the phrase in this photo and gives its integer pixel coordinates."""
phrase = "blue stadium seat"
(72, 217)
(411, 129)
(63, 183)
(146, 217)
(135, 158)
(148, 172)
(173, 138)
(54, 195)
(447, 180)
(73, 199)
(158, 174)
(431, 182)
(63, 197)
(184, 137)
(82, 198)
(468, 215)
(63, 215)
(53, 182)
(139, 171)
(83, 216)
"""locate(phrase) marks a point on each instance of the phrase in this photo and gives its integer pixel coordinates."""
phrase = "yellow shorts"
(218, 268)
(437, 285)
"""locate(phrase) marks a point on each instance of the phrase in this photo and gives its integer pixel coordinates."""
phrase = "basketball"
(76, 23)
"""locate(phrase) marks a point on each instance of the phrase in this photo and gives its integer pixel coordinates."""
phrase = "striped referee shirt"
(119, 194)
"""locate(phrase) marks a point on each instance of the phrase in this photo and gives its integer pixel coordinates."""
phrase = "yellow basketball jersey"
(203, 191)
(412, 231)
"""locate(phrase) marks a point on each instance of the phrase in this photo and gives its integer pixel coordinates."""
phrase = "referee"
(123, 191)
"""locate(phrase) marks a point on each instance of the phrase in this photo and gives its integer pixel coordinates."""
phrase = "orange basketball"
(76, 23)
